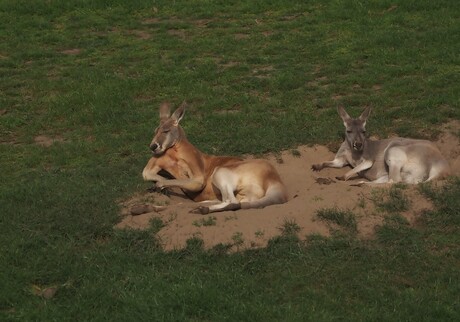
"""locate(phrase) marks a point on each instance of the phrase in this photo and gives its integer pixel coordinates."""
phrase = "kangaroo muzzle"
(358, 146)
(155, 148)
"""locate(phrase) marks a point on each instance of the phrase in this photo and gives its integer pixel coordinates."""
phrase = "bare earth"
(308, 192)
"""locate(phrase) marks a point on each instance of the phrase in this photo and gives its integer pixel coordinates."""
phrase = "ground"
(308, 192)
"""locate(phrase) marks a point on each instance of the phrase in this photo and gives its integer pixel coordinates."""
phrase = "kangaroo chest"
(353, 159)
(375, 153)
(177, 167)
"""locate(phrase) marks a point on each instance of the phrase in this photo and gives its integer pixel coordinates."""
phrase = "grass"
(289, 227)
(238, 240)
(343, 219)
(259, 77)
(392, 200)
(209, 221)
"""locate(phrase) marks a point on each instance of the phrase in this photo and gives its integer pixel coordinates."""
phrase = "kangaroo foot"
(200, 210)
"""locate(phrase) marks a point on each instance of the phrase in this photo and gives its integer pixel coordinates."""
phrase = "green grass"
(259, 77)
(341, 219)
(289, 228)
(209, 221)
(392, 200)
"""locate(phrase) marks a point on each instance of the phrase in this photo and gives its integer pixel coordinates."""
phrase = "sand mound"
(308, 192)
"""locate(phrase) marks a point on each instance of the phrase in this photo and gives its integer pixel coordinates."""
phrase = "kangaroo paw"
(341, 178)
(163, 190)
(317, 167)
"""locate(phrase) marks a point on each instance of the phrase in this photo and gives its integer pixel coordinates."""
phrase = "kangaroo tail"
(439, 170)
(276, 194)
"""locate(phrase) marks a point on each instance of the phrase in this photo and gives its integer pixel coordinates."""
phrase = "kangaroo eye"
(363, 131)
(349, 131)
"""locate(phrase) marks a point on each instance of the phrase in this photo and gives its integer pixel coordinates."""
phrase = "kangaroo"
(236, 182)
(385, 161)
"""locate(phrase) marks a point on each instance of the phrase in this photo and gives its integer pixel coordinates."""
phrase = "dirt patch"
(47, 141)
(177, 33)
(308, 193)
(263, 71)
(240, 36)
(141, 34)
(201, 22)
(337, 97)
(151, 21)
(229, 64)
(71, 52)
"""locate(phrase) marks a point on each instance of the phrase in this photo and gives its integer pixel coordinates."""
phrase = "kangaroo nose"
(358, 145)
(153, 147)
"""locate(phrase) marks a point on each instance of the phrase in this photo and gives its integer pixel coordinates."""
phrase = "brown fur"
(247, 183)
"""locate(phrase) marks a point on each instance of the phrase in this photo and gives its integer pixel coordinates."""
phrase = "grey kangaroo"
(385, 161)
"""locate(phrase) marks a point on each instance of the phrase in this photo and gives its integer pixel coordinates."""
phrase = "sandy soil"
(308, 192)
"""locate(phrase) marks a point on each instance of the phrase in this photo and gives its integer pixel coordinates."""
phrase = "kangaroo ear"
(179, 113)
(343, 114)
(364, 115)
(165, 111)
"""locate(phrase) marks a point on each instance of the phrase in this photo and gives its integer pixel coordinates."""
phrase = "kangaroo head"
(355, 129)
(169, 131)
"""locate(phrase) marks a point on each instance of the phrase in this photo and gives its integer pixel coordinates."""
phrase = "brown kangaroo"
(385, 161)
(235, 182)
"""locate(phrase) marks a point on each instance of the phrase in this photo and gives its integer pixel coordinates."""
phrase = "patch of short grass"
(392, 200)
(446, 216)
(156, 224)
(289, 227)
(344, 219)
(209, 221)
(238, 240)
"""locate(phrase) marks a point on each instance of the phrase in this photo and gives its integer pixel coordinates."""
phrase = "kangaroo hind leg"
(395, 158)
(226, 181)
